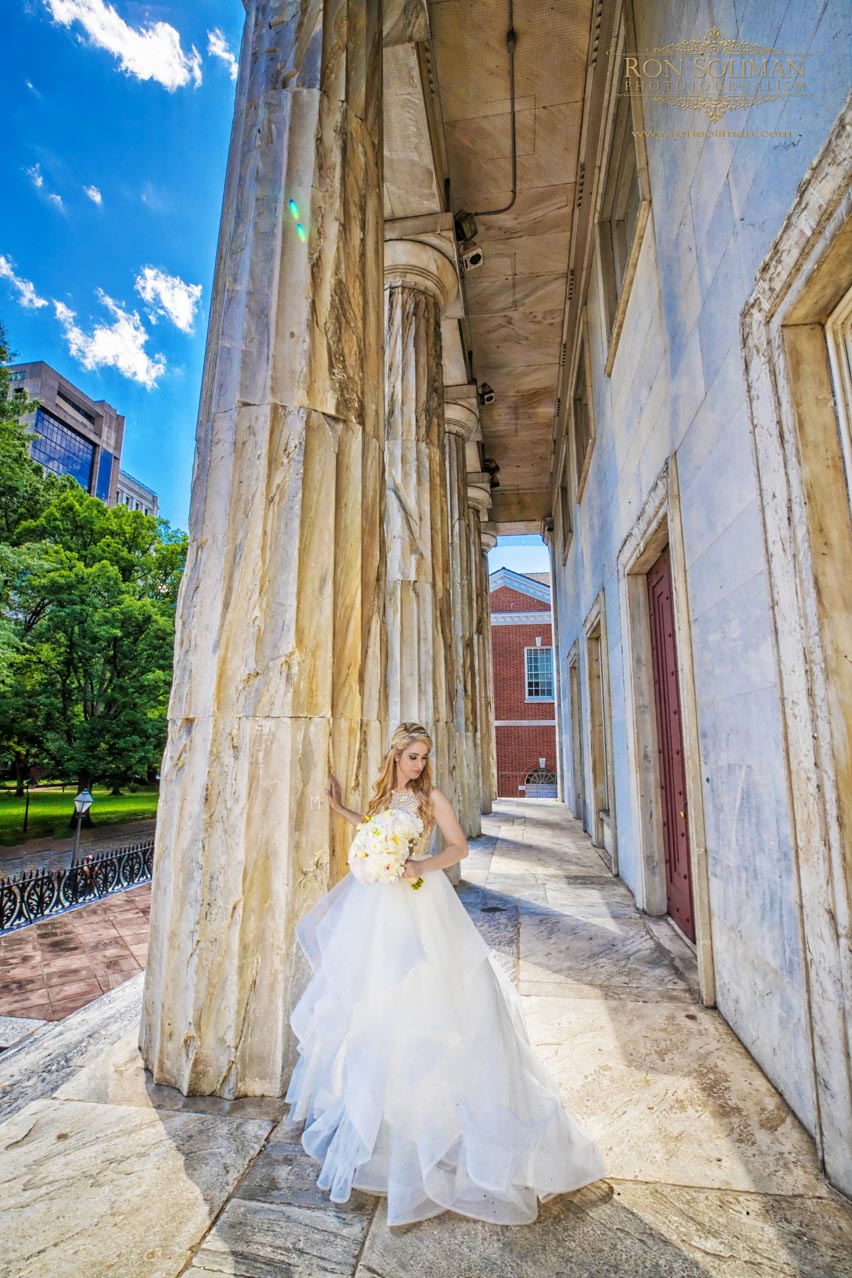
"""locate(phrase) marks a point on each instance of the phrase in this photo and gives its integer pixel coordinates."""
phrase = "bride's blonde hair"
(402, 738)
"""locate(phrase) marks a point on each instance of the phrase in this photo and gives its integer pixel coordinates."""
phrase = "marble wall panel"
(677, 386)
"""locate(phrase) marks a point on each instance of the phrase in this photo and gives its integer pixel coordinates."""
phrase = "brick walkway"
(53, 968)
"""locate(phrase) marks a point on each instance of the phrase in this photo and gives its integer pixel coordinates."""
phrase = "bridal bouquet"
(381, 845)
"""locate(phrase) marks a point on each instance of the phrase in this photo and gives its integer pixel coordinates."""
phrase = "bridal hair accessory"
(381, 846)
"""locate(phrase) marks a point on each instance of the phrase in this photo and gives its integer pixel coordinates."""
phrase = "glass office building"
(63, 450)
(71, 433)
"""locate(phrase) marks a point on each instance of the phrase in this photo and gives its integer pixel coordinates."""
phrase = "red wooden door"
(670, 746)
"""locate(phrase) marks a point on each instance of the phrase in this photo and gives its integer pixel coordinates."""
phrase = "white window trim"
(611, 330)
(537, 648)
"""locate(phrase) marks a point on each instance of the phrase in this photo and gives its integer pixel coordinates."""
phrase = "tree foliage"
(87, 606)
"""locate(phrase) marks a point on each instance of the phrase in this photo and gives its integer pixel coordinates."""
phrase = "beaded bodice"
(408, 799)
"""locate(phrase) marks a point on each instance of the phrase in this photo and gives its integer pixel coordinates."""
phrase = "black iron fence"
(37, 894)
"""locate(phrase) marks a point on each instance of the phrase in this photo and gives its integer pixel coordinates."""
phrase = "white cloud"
(26, 289)
(169, 296)
(94, 194)
(119, 345)
(152, 52)
(37, 178)
(217, 45)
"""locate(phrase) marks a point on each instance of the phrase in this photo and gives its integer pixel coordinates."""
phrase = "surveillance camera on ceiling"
(465, 225)
(486, 394)
(472, 257)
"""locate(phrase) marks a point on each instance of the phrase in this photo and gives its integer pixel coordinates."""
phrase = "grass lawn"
(50, 810)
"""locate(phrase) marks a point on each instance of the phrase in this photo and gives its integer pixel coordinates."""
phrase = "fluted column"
(547, 538)
(479, 498)
(461, 424)
(488, 542)
(488, 537)
(279, 648)
(420, 282)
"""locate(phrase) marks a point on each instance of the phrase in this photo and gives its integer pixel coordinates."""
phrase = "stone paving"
(709, 1173)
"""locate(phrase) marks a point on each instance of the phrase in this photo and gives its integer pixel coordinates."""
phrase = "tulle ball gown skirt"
(415, 1077)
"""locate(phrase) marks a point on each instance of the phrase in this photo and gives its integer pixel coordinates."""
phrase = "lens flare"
(294, 208)
(301, 232)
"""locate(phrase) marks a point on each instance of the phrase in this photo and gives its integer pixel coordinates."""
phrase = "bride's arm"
(333, 795)
(456, 849)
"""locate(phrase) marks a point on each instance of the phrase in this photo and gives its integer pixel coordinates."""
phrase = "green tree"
(87, 607)
(103, 589)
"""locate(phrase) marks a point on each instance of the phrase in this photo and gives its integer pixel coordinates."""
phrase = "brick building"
(524, 694)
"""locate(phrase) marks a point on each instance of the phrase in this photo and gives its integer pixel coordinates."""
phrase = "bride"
(415, 1077)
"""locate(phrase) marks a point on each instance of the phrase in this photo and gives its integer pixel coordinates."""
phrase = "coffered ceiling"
(448, 114)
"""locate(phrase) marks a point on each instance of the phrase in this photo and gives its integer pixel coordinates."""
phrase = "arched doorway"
(540, 784)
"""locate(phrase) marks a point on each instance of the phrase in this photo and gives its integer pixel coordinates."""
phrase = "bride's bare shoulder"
(437, 796)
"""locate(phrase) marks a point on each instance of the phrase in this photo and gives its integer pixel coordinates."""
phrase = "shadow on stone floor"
(708, 1172)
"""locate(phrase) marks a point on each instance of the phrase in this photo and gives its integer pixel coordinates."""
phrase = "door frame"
(575, 709)
(670, 754)
(802, 278)
(603, 832)
(659, 524)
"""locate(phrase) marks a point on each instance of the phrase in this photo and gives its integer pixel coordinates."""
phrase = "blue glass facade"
(60, 449)
(104, 475)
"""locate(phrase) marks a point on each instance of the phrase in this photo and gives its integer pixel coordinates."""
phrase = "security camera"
(486, 394)
(471, 257)
(465, 225)
(492, 467)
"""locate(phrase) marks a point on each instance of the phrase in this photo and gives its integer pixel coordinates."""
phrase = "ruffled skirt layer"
(415, 1077)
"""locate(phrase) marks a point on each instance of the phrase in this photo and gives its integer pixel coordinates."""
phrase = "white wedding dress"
(415, 1077)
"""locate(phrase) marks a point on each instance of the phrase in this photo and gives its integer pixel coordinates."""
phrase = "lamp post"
(82, 803)
(29, 782)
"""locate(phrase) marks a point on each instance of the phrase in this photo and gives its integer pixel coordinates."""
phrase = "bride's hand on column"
(332, 791)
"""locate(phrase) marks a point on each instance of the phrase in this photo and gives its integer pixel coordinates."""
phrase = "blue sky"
(111, 285)
(117, 127)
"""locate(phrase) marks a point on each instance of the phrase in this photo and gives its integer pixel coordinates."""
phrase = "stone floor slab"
(626, 1231)
(113, 1190)
(274, 1240)
(15, 1028)
(587, 957)
(285, 1173)
(670, 1095)
(596, 899)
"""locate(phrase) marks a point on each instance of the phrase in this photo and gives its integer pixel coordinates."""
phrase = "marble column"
(461, 424)
(488, 537)
(479, 498)
(279, 649)
(548, 539)
(420, 282)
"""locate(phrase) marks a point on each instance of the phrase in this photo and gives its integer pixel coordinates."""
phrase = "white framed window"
(582, 411)
(624, 200)
(565, 504)
(539, 673)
